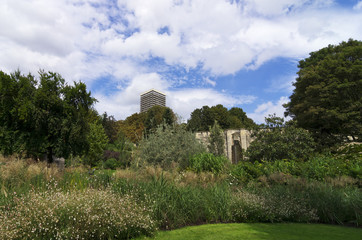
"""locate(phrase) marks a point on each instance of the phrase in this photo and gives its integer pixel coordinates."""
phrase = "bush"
(169, 145)
(270, 206)
(89, 214)
(276, 140)
(111, 163)
(207, 162)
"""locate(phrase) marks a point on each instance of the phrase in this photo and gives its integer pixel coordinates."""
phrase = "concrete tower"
(152, 98)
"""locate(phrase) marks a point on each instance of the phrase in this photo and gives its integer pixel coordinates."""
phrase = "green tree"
(133, 127)
(276, 141)
(167, 145)
(239, 119)
(216, 140)
(45, 117)
(327, 98)
(97, 139)
(203, 118)
(168, 116)
(110, 126)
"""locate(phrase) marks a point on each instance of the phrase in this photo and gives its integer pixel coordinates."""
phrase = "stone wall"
(236, 141)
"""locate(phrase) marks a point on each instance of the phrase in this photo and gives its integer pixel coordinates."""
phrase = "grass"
(260, 231)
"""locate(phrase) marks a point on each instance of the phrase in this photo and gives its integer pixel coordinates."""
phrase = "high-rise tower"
(152, 98)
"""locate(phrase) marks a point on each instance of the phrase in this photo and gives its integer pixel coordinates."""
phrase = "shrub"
(207, 162)
(276, 140)
(167, 145)
(111, 163)
(270, 206)
(89, 214)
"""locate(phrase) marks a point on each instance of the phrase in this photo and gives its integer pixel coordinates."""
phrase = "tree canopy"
(203, 118)
(327, 98)
(277, 140)
(135, 126)
(43, 117)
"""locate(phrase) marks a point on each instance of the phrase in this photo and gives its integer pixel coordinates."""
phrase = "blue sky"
(199, 52)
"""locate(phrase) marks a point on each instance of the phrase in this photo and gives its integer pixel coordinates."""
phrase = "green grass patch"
(260, 231)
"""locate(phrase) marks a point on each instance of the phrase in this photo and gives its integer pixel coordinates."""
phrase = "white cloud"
(265, 109)
(283, 84)
(127, 101)
(224, 36)
(89, 39)
(358, 6)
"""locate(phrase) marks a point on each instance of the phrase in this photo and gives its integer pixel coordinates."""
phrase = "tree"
(202, 119)
(216, 140)
(110, 126)
(167, 145)
(98, 140)
(239, 119)
(133, 126)
(277, 140)
(158, 115)
(327, 98)
(45, 117)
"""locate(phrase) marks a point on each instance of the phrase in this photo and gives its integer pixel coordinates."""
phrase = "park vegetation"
(127, 178)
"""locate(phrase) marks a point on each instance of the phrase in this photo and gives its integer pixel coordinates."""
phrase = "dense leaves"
(169, 145)
(276, 141)
(327, 97)
(43, 117)
(216, 140)
(203, 118)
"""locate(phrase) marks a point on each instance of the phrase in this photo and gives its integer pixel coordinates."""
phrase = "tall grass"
(173, 199)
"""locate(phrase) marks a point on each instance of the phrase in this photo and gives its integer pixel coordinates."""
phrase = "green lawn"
(259, 231)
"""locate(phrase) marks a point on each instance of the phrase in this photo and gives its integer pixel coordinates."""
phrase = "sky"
(238, 53)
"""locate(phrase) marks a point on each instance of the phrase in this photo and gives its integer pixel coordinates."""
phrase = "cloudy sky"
(241, 53)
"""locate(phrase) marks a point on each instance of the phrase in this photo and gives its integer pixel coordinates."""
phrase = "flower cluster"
(88, 214)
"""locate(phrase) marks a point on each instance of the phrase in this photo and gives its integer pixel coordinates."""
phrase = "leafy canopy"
(276, 141)
(203, 118)
(43, 117)
(327, 98)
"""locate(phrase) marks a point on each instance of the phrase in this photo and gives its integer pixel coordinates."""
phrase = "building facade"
(152, 98)
(236, 142)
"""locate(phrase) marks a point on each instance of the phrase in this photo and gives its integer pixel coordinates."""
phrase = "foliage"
(89, 214)
(174, 198)
(110, 126)
(120, 151)
(276, 141)
(202, 119)
(133, 127)
(320, 167)
(98, 140)
(207, 162)
(167, 145)
(271, 206)
(239, 119)
(176, 206)
(327, 96)
(216, 140)
(48, 116)
(157, 115)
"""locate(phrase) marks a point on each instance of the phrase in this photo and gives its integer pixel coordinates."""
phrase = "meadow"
(42, 202)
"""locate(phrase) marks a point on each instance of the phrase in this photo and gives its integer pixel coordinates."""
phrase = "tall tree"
(327, 98)
(43, 117)
(203, 118)
(276, 140)
(216, 140)
(241, 120)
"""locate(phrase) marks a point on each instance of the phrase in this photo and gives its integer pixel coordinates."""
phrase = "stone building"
(236, 141)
